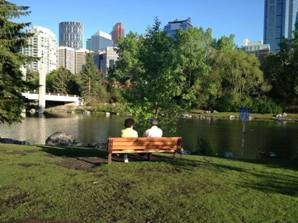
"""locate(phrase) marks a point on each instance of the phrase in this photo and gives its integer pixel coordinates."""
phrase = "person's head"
(128, 123)
(154, 122)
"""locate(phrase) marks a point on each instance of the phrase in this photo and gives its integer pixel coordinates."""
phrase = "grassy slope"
(42, 183)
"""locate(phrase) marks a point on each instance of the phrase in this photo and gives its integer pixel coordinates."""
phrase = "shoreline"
(195, 114)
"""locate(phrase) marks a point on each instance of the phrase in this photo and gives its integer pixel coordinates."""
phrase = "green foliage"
(12, 39)
(128, 65)
(281, 71)
(62, 81)
(160, 73)
(33, 77)
(92, 88)
(265, 105)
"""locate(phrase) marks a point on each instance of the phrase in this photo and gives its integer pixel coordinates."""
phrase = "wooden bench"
(143, 145)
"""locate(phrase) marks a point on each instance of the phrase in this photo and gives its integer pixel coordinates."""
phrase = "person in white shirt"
(154, 131)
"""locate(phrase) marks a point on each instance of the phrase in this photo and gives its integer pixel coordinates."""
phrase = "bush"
(265, 105)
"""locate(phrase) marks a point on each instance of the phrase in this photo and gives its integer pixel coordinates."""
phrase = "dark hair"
(129, 122)
(154, 121)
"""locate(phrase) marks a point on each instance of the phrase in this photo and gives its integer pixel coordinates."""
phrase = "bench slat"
(143, 151)
(125, 147)
(156, 143)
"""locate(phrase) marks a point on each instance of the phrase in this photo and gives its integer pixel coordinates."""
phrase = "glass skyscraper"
(280, 19)
(99, 41)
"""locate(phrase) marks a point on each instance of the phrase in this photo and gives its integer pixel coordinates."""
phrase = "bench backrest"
(144, 145)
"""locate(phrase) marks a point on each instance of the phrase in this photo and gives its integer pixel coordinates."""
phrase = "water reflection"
(207, 137)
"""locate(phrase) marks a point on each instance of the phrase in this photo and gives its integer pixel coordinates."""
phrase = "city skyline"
(137, 16)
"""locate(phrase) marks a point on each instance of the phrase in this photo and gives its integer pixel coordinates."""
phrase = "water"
(209, 137)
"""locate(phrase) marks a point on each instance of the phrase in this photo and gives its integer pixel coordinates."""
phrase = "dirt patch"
(82, 163)
(14, 200)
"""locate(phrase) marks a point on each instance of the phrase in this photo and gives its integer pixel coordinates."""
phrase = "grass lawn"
(226, 115)
(43, 184)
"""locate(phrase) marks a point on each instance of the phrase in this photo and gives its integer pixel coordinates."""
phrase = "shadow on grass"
(262, 179)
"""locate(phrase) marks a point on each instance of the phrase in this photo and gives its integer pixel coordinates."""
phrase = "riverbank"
(118, 109)
(235, 115)
(46, 184)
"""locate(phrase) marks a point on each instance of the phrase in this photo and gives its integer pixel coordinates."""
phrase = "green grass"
(43, 184)
(226, 115)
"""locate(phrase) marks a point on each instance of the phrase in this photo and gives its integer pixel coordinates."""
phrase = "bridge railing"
(54, 94)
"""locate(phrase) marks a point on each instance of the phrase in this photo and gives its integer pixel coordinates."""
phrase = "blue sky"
(243, 18)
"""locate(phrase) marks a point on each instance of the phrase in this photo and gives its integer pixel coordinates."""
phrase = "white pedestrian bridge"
(54, 97)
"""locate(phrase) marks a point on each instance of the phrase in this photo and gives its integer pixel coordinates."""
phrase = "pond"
(206, 137)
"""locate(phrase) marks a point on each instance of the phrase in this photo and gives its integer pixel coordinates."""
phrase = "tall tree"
(12, 38)
(281, 70)
(161, 77)
(62, 81)
(91, 85)
(234, 78)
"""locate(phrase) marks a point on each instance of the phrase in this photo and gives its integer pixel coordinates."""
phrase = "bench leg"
(149, 156)
(174, 156)
(110, 158)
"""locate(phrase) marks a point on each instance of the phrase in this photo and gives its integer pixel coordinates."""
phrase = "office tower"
(99, 41)
(256, 47)
(172, 27)
(118, 32)
(71, 34)
(72, 59)
(279, 21)
(42, 45)
(66, 58)
(105, 59)
(80, 61)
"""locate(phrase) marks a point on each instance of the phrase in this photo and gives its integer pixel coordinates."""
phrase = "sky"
(242, 18)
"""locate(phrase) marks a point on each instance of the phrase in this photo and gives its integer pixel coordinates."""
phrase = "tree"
(281, 70)
(62, 81)
(193, 48)
(92, 88)
(128, 64)
(33, 77)
(12, 39)
(161, 80)
(234, 78)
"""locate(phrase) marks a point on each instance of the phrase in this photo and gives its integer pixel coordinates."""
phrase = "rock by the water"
(13, 141)
(61, 139)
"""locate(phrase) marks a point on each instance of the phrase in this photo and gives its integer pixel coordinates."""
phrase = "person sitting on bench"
(128, 132)
(154, 131)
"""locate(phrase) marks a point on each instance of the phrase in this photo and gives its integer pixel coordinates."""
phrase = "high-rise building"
(72, 59)
(66, 58)
(42, 45)
(172, 27)
(105, 59)
(99, 41)
(81, 59)
(256, 47)
(118, 32)
(71, 34)
(279, 21)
